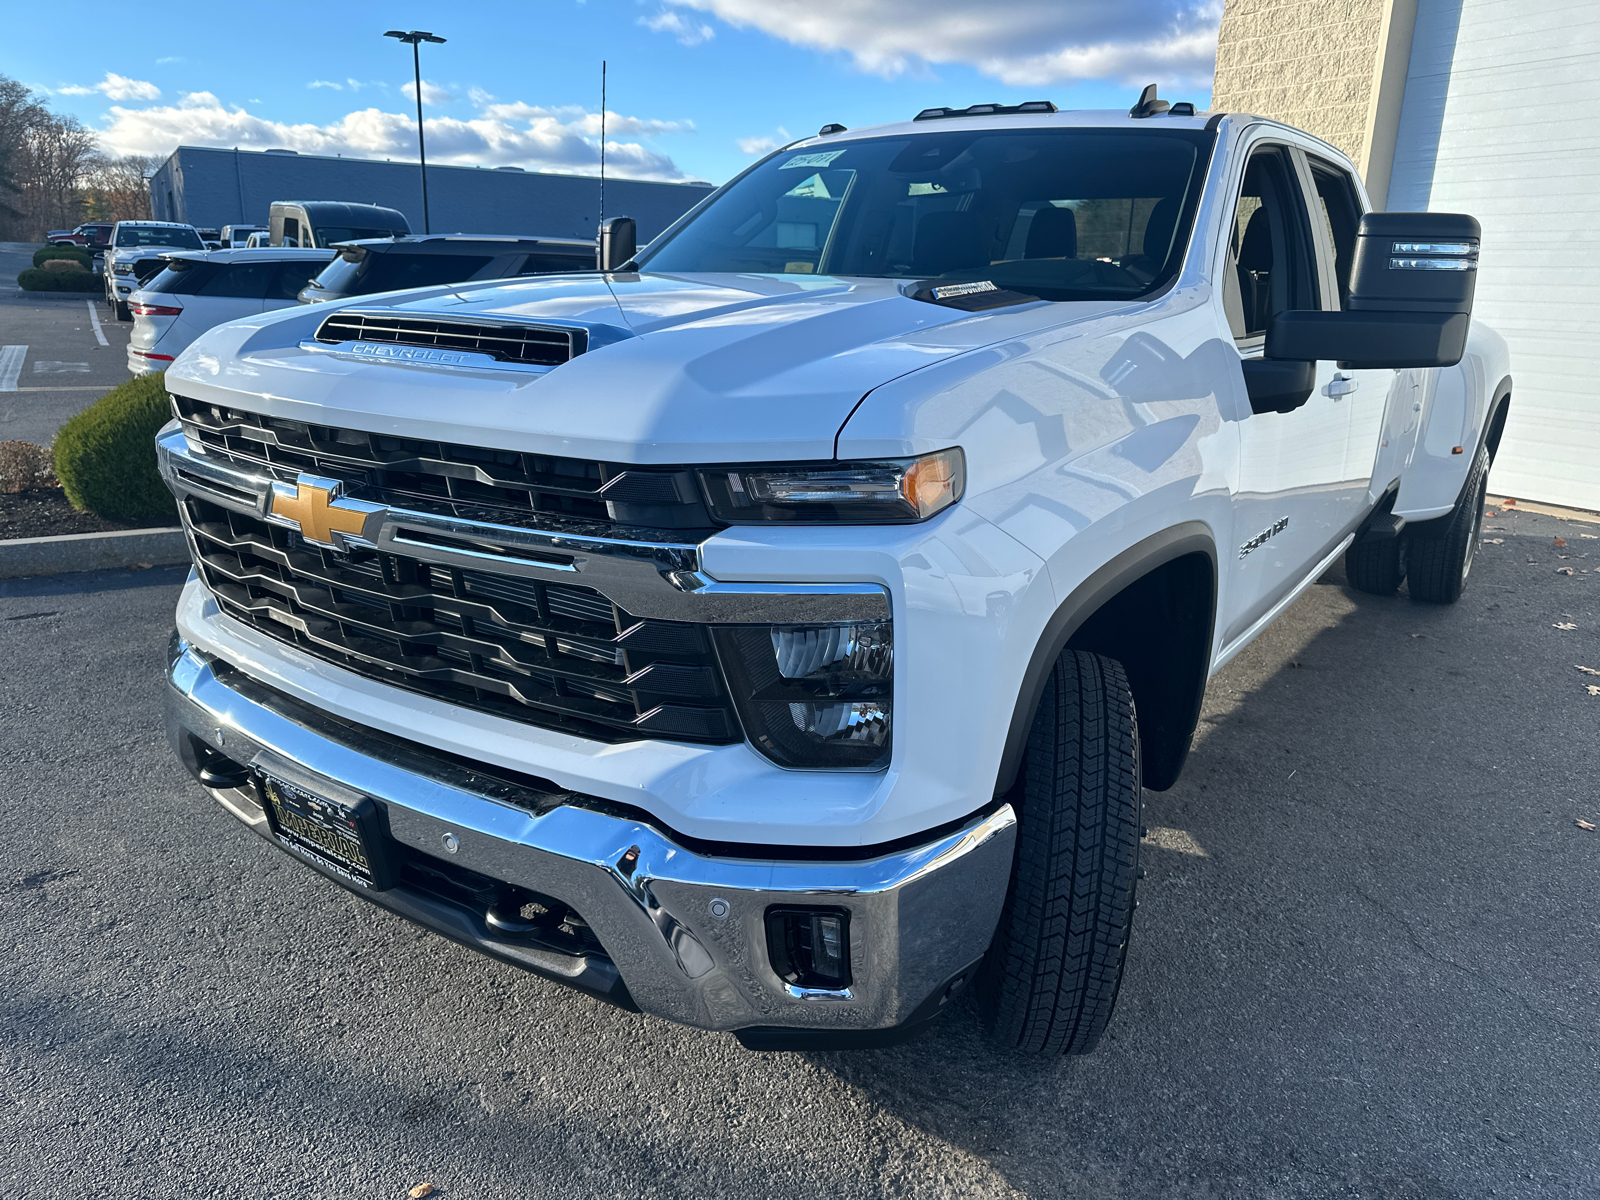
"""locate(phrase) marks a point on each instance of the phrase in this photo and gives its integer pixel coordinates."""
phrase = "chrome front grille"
(544, 346)
(549, 654)
(471, 482)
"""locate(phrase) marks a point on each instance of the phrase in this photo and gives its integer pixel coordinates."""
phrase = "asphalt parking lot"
(1365, 964)
(74, 350)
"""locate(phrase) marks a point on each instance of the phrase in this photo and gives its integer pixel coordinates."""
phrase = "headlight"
(122, 269)
(858, 493)
(813, 695)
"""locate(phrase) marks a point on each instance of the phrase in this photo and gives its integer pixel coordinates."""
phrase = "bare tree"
(118, 189)
(59, 151)
(19, 111)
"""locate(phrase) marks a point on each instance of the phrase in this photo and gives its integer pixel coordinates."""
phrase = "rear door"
(1294, 499)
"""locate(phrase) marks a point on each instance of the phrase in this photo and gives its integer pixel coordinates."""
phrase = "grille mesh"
(533, 345)
(547, 654)
(504, 486)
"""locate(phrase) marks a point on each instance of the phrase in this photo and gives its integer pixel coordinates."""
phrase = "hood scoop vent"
(524, 345)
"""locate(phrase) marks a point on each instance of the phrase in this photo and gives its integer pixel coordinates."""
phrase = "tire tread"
(1051, 980)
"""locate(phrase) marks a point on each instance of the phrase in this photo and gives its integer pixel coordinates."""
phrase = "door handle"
(1340, 385)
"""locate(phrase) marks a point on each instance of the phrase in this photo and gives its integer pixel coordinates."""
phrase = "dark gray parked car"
(428, 260)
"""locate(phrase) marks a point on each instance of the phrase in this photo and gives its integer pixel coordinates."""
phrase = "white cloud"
(432, 93)
(326, 83)
(171, 58)
(1024, 43)
(765, 145)
(521, 135)
(688, 33)
(116, 87)
(479, 97)
(586, 122)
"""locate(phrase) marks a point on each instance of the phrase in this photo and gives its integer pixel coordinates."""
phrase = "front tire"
(1050, 979)
(124, 313)
(1438, 567)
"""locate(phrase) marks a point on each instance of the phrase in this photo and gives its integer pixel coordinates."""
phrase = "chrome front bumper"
(683, 930)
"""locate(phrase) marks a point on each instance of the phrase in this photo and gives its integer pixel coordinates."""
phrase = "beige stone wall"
(1308, 63)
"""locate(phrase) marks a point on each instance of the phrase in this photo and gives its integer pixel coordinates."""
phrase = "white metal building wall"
(1501, 119)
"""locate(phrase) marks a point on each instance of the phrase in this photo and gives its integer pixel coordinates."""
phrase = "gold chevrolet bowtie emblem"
(314, 504)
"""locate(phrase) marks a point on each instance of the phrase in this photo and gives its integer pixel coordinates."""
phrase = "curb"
(20, 557)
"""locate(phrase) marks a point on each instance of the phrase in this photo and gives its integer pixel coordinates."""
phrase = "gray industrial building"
(212, 188)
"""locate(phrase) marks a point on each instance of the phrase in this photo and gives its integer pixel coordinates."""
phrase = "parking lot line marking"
(94, 319)
(68, 387)
(11, 366)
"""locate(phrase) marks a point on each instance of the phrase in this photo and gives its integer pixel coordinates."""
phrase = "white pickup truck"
(774, 631)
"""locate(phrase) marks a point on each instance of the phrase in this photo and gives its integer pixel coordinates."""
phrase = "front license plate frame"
(343, 838)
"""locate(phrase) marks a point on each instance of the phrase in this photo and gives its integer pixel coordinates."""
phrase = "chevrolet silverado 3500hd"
(773, 632)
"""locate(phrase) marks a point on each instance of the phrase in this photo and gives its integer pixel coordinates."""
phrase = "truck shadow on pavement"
(1364, 957)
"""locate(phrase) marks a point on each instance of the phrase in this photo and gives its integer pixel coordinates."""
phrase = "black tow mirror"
(619, 241)
(1410, 305)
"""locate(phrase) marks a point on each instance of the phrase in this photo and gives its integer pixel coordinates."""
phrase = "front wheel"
(1438, 566)
(1050, 979)
(124, 313)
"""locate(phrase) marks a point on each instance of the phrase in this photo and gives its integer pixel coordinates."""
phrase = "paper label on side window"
(821, 159)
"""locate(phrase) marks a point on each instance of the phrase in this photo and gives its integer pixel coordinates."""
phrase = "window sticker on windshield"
(812, 160)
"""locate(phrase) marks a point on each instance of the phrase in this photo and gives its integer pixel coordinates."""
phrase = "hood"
(682, 369)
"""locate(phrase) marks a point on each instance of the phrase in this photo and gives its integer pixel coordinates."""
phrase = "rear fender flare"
(1494, 424)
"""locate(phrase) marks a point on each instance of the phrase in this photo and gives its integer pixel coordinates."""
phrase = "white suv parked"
(776, 633)
(133, 257)
(199, 289)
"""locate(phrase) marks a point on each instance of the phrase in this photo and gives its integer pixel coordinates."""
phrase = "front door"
(1294, 498)
(1380, 401)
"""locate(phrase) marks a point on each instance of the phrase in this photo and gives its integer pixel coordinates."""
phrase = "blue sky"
(697, 87)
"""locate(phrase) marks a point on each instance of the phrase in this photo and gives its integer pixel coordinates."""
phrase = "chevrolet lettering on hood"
(418, 354)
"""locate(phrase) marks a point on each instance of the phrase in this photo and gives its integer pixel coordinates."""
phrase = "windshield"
(1063, 214)
(155, 235)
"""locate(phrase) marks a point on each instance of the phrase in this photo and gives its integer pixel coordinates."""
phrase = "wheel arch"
(1140, 609)
(1495, 424)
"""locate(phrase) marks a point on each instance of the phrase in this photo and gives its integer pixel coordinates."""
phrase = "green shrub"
(76, 253)
(39, 280)
(106, 455)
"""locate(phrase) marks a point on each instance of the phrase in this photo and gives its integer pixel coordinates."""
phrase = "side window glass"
(290, 278)
(240, 281)
(291, 231)
(1270, 264)
(1341, 210)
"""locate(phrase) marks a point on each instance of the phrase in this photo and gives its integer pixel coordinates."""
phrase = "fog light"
(810, 947)
(813, 695)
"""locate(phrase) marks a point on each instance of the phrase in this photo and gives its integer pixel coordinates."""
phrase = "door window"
(1270, 262)
(1341, 211)
(290, 278)
(239, 281)
(291, 231)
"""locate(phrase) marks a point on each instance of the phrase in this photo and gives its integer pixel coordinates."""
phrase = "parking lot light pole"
(413, 38)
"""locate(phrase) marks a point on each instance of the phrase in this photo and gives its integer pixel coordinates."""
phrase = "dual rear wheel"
(1437, 563)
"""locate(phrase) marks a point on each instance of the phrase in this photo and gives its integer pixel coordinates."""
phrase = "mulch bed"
(46, 513)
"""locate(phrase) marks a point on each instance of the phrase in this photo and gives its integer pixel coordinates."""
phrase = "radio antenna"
(602, 142)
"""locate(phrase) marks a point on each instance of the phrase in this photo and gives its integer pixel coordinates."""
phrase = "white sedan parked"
(199, 289)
